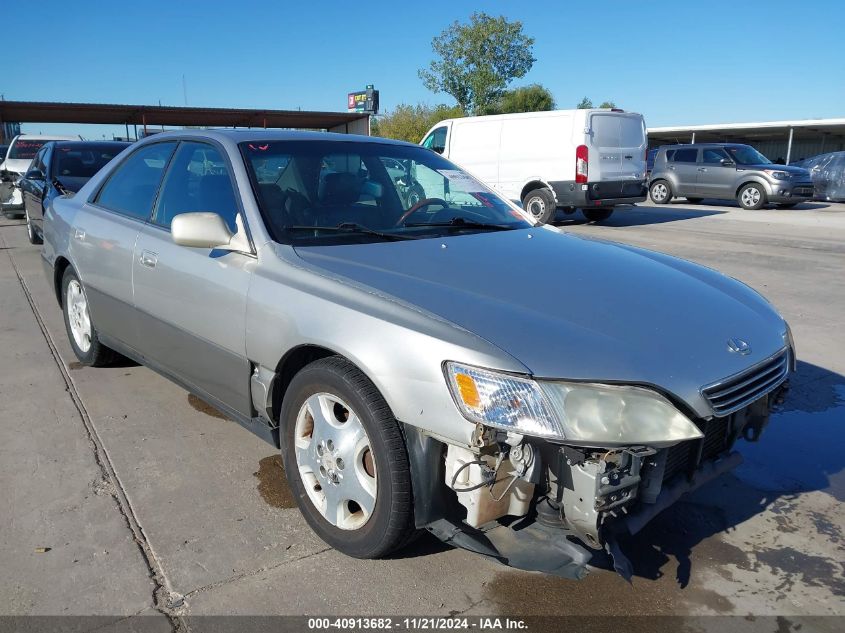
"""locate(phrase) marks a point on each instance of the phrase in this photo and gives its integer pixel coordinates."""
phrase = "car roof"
(84, 144)
(242, 136)
(47, 137)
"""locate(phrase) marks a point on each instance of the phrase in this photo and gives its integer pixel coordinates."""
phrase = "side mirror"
(34, 174)
(726, 162)
(203, 229)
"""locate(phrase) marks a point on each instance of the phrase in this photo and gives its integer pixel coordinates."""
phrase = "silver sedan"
(433, 361)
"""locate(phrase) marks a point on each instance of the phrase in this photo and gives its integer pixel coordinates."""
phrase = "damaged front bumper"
(567, 503)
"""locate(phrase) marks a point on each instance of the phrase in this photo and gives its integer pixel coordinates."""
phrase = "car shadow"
(799, 451)
(733, 204)
(638, 216)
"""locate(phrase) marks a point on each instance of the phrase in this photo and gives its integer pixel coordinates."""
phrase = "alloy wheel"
(78, 316)
(750, 196)
(659, 192)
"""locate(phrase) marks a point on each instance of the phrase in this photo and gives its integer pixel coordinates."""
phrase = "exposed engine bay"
(517, 492)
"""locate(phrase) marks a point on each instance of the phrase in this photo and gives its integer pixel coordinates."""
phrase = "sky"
(680, 62)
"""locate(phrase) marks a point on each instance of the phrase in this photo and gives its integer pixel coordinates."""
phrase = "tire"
(694, 200)
(597, 215)
(750, 200)
(377, 518)
(788, 205)
(31, 233)
(540, 204)
(89, 350)
(660, 192)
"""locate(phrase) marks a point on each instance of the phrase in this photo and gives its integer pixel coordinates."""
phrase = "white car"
(15, 163)
(562, 159)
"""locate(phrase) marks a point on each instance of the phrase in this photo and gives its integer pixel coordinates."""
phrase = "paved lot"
(151, 503)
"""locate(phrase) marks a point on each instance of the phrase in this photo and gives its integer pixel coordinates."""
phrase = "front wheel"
(660, 192)
(346, 460)
(540, 204)
(597, 215)
(751, 196)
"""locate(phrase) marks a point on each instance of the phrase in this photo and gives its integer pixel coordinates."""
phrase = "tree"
(410, 122)
(607, 104)
(475, 62)
(532, 98)
(585, 104)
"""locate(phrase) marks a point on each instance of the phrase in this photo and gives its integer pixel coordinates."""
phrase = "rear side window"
(132, 187)
(197, 180)
(684, 156)
(436, 140)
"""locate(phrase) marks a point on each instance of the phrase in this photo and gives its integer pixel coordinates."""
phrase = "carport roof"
(57, 112)
(761, 130)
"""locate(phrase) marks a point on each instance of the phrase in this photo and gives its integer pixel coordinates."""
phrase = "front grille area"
(738, 391)
(716, 441)
(802, 191)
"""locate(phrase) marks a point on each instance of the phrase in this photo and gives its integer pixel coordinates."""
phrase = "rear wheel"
(597, 215)
(81, 332)
(694, 200)
(540, 203)
(346, 460)
(31, 233)
(660, 192)
(751, 196)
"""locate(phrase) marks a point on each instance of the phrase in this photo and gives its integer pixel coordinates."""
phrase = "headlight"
(582, 413)
(787, 338)
(777, 175)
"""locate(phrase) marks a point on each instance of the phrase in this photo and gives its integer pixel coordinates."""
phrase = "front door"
(191, 302)
(716, 180)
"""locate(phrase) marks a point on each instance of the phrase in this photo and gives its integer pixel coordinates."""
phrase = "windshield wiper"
(352, 228)
(463, 223)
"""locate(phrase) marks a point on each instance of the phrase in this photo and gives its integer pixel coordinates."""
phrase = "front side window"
(436, 140)
(82, 162)
(132, 187)
(197, 180)
(745, 155)
(329, 192)
(685, 156)
(713, 156)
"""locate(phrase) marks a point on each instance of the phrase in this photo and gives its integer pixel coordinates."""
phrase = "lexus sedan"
(59, 168)
(407, 359)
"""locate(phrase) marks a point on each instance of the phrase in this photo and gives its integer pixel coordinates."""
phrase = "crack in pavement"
(164, 598)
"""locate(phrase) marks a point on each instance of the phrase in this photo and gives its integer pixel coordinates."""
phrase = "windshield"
(70, 162)
(25, 149)
(331, 192)
(745, 155)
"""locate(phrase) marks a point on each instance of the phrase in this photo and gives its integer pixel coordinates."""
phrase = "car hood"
(571, 307)
(791, 169)
(20, 165)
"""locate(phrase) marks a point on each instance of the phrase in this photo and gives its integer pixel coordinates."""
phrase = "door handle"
(629, 157)
(79, 234)
(148, 259)
(702, 169)
(672, 167)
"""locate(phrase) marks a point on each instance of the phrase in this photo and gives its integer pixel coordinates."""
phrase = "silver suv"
(726, 171)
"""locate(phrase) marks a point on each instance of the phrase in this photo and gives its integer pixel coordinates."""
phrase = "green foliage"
(532, 98)
(475, 62)
(587, 103)
(410, 122)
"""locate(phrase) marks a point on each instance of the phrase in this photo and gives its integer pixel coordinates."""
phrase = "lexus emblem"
(738, 346)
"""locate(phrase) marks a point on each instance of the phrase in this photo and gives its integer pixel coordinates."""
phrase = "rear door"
(684, 165)
(618, 140)
(191, 302)
(715, 180)
(103, 235)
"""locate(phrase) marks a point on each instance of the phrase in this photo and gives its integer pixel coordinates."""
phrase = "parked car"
(568, 159)
(61, 167)
(828, 174)
(409, 363)
(16, 163)
(726, 171)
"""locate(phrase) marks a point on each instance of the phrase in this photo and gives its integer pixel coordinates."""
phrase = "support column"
(789, 146)
(693, 138)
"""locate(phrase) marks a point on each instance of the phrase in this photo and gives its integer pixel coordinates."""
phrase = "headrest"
(340, 188)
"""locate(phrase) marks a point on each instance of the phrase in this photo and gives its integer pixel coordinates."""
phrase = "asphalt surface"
(122, 495)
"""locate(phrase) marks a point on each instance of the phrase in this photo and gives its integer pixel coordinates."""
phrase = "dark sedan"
(58, 168)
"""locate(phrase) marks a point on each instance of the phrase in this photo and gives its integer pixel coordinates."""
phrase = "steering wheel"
(419, 205)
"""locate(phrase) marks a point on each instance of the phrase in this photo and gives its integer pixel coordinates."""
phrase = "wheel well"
(59, 268)
(531, 186)
(289, 366)
(750, 182)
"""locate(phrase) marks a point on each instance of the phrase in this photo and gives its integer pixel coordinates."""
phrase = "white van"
(588, 159)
